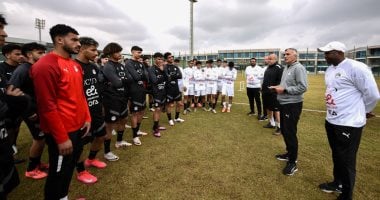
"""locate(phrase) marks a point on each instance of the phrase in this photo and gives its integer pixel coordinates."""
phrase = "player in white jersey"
(188, 82)
(211, 85)
(219, 67)
(229, 76)
(351, 95)
(199, 85)
(221, 80)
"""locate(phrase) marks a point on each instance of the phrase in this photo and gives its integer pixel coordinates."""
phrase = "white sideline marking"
(310, 110)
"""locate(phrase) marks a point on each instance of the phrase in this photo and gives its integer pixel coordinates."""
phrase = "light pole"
(191, 28)
(39, 24)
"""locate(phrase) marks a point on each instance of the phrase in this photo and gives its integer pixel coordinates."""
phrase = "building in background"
(313, 60)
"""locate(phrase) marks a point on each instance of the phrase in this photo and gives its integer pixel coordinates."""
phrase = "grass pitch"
(222, 156)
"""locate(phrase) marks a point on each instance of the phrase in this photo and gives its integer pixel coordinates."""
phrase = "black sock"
(107, 146)
(134, 131)
(185, 106)
(176, 115)
(155, 125)
(33, 163)
(92, 154)
(150, 104)
(209, 104)
(120, 136)
(80, 167)
(188, 104)
(213, 105)
(169, 116)
(138, 125)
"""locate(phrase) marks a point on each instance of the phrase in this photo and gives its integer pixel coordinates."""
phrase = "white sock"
(224, 104)
(271, 120)
(278, 124)
(229, 105)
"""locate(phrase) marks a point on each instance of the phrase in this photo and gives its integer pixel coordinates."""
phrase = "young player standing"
(173, 93)
(229, 76)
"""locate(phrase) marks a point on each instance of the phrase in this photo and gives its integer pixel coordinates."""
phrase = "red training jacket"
(62, 106)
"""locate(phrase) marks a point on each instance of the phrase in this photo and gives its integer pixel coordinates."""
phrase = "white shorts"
(189, 91)
(199, 89)
(219, 87)
(228, 89)
(211, 88)
(200, 93)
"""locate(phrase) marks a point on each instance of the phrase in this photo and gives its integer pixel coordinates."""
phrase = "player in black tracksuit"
(8, 173)
(158, 78)
(12, 53)
(21, 79)
(115, 98)
(92, 85)
(137, 91)
(173, 93)
(272, 77)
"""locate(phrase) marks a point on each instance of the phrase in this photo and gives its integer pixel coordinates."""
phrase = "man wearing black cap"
(351, 95)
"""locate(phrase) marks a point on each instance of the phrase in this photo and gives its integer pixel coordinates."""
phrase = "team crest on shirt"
(136, 108)
(338, 75)
(76, 68)
(113, 118)
(93, 71)
(122, 68)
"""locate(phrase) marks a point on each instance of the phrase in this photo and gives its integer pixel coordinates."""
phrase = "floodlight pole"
(39, 24)
(191, 29)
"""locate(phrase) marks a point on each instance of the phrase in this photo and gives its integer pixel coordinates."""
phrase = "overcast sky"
(163, 25)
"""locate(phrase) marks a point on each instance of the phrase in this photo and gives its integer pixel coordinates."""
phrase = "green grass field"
(223, 156)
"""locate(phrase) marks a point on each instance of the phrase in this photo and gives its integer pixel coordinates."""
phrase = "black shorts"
(115, 109)
(95, 132)
(270, 102)
(172, 96)
(159, 101)
(138, 101)
(34, 129)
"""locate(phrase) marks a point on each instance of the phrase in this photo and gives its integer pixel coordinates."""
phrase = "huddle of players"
(204, 85)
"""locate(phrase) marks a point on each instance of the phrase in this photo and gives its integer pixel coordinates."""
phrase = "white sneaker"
(123, 143)
(152, 109)
(136, 141)
(171, 122)
(179, 120)
(114, 132)
(204, 108)
(209, 109)
(213, 110)
(185, 112)
(127, 126)
(142, 133)
(111, 156)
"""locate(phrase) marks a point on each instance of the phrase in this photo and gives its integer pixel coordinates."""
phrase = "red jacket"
(62, 106)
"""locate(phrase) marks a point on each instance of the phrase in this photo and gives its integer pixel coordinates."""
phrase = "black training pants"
(344, 143)
(61, 168)
(254, 95)
(289, 116)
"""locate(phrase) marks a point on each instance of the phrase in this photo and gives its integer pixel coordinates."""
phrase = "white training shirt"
(211, 76)
(188, 77)
(254, 76)
(351, 92)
